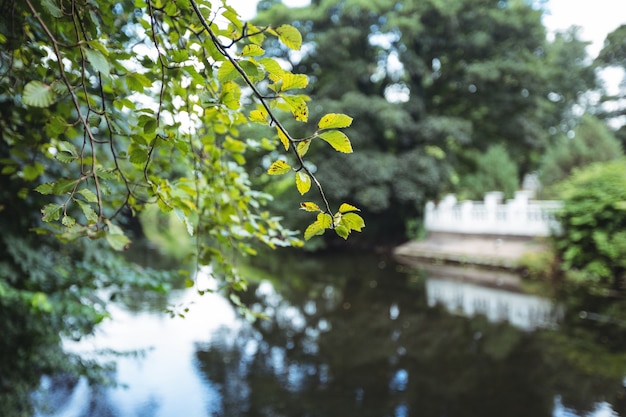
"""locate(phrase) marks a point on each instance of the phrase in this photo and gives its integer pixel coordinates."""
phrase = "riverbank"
(501, 252)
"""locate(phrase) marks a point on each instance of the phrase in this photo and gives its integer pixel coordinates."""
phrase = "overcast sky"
(596, 18)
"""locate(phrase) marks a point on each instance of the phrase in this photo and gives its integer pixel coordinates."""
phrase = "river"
(347, 336)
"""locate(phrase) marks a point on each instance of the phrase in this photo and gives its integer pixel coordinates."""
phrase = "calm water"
(351, 336)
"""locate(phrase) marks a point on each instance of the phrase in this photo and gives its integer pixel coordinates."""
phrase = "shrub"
(593, 219)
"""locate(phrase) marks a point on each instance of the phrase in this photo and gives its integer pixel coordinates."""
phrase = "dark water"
(353, 336)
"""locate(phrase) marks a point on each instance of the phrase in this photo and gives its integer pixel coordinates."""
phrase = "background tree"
(431, 83)
(613, 56)
(592, 142)
(495, 171)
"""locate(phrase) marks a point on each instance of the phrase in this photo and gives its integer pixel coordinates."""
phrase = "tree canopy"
(430, 84)
(109, 107)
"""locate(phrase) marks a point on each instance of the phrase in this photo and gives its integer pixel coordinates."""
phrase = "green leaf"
(68, 221)
(117, 242)
(279, 167)
(309, 206)
(334, 121)
(303, 182)
(98, 61)
(55, 126)
(250, 69)
(88, 211)
(137, 82)
(290, 36)
(338, 140)
(51, 212)
(52, 7)
(138, 156)
(45, 188)
(37, 94)
(115, 236)
(345, 207)
(89, 195)
(32, 171)
(252, 50)
(226, 72)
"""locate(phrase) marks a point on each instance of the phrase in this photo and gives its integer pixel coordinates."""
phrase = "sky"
(596, 17)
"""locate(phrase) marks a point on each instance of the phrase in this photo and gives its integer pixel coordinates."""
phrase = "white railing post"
(517, 217)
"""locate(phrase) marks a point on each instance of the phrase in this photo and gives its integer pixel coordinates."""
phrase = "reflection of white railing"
(517, 217)
(526, 312)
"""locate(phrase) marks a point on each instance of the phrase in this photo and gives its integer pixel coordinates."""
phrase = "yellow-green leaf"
(334, 121)
(272, 66)
(309, 206)
(259, 116)
(338, 140)
(313, 229)
(293, 81)
(290, 36)
(303, 147)
(319, 226)
(279, 167)
(298, 107)
(303, 182)
(226, 72)
(231, 94)
(342, 231)
(325, 219)
(283, 138)
(345, 207)
(352, 221)
(252, 50)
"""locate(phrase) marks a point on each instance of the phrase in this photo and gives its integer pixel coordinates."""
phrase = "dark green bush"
(593, 243)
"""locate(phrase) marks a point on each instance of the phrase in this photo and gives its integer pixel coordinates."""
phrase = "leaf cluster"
(121, 106)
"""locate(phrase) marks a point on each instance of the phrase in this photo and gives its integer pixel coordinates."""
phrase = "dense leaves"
(109, 109)
(593, 241)
(431, 85)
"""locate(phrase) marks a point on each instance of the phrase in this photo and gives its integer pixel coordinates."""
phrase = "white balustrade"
(519, 216)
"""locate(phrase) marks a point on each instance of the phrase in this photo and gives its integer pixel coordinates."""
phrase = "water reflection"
(359, 337)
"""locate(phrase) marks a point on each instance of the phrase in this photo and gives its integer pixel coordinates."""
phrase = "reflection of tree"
(370, 346)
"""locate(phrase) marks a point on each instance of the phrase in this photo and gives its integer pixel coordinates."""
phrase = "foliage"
(50, 291)
(142, 104)
(431, 83)
(495, 171)
(110, 107)
(613, 54)
(592, 142)
(593, 240)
